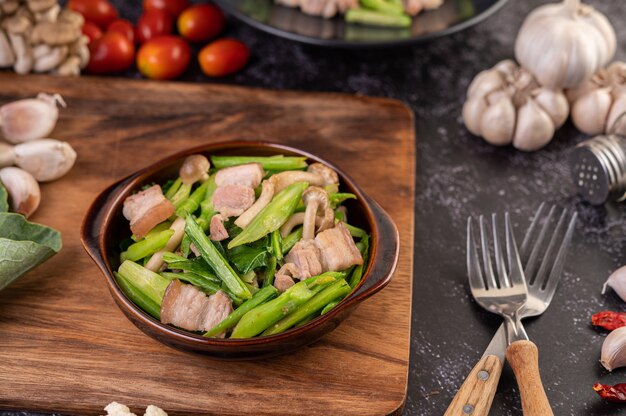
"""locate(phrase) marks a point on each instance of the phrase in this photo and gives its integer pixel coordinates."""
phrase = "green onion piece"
(231, 320)
(191, 204)
(328, 307)
(171, 191)
(357, 274)
(270, 272)
(373, 18)
(292, 239)
(275, 163)
(212, 256)
(355, 231)
(207, 286)
(277, 244)
(147, 246)
(151, 284)
(137, 297)
(275, 214)
(383, 7)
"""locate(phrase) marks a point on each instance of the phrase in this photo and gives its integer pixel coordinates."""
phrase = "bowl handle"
(385, 257)
(92, 224)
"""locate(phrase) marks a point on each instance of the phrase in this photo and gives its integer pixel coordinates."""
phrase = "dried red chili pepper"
(616, 393)
(609, 320)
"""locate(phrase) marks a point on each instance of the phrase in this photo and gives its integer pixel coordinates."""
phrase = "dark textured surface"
(458, 175)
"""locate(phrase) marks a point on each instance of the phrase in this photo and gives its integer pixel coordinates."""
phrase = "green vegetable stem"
(137, 296)
(215, 260)
(373, 18)
(148, 246)
(191, 204)
(206, 206)
(275, 214)
(275, 163)
(152, 285)
(384, 6)
(292, 239)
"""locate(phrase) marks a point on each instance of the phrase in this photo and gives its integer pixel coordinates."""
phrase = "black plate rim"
(343, 44)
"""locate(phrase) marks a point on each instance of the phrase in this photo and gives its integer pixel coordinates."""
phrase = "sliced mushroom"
(267, 193)
(7, 58)
(284, 179)
(315, 199)
(50, 60)
(195, 168)
(69, 67)
(54, 33)
(156, 261)
(50, 15)
(23, 190)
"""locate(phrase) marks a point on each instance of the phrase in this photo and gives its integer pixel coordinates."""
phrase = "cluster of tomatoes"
(161, 54)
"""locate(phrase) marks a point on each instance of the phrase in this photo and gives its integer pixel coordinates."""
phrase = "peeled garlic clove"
(30, 119)
(23, 190)
(590, 112)
(7, 156)
(485, 83)
(498, 121)
(555, 104)
(473, 110)
(45, 159)
(534, 127)
(613, 353)
(617, 282)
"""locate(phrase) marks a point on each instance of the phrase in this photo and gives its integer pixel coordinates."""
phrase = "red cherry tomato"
(165, 57)
(112, 53)
(223, 57)
(99, 12)
(152, 24)
(92, 31)
(201, 23)
(124, 27)
(173, 7)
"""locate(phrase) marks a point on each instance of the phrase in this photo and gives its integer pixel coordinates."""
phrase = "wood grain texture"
(64, 345)
(477, 391)
(524, 359)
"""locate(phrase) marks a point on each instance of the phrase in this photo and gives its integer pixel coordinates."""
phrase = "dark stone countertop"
(458, 175)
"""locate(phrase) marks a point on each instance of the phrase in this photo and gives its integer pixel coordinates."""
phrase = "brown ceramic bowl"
(104, 228)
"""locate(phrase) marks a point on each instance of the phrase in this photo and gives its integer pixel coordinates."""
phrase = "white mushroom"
(80, 48)
(315, 199)
(284, 179)
(195, 168)
(50, 60)
(267, 193)
(9, 6)
(54, 33)
(50, 15)
(23, 190)
(17, 28)
(321, 222)
(156, 261)
(329, 175)
(46, 159)
(70, 67)
(38, 6)
(7, 58)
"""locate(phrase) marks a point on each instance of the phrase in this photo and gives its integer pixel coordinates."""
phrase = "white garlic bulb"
(30, 119)
(23, 190)
(45, 159)
(506, 105)
(617, 282)
(598, 103)
(565, 43)
(613, 353)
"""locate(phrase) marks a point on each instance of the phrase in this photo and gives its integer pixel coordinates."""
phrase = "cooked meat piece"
(413, 7)
(337, 248)
(432, 4)
(283, 279)
(186, 307)
(146, 209)
(233, 200)
(306, 257)
(249, 175)
(218, 231)
(324, 8)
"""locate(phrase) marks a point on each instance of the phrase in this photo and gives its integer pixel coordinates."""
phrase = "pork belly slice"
(249, 175)
(187, 307)
(305, 256)
(283, 279)
(146, 209)
(337, 249)
(233, 200)
(218, 231)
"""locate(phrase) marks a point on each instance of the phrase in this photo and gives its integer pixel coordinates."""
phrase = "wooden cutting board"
(65, 346)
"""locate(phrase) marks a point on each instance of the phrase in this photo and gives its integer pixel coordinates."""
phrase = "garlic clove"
(7, 155)
(534, 127)
(473, 110)
(45, 159)
(613, 353)
(485, 82)
(23, 190)
(555, 104)
(617, 282)
(498, 120)
(618, 109)
(30, 119)
(590, 112)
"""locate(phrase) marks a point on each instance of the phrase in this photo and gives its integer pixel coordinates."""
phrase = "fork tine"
(555, 274)
(474, 273)
(533, 259)
(515, 265)
(490, 279)
(497, 249)
(524, 250)
(550, 253)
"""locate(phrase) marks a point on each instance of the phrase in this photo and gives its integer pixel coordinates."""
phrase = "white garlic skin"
(617, 282)
(45, 159)
(31, 118)
(598, 103)
(565, 43)
(505, 105)
(7, 155)
(613, 353)
(23, 190)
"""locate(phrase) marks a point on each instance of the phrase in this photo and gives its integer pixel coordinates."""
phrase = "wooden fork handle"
(524, 359)
(476, 394)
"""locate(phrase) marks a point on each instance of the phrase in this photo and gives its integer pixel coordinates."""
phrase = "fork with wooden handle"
(542, 275)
